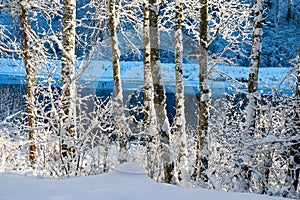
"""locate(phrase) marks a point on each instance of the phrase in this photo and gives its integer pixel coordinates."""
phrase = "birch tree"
(253, 79)
(163, 126)
(150, 121)
(30, 79)
(220, 28)
(68, 131)
(254, 64)
(180, 122)
(201, 164)
(118, 92)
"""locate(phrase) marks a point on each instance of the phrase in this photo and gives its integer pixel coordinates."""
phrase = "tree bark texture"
(68, 132)
(202, 156)
(180, 122)
(118, 92)
(159, 92)
(255, 61)
(150, 121)
(253, 84)
(31, 73)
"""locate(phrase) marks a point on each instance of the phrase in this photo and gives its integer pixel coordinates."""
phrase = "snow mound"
(129, 168)
(108, 186)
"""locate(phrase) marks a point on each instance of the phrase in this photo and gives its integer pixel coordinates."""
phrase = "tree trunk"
(293, 175)
(30, 81)
(159, 92)
(254, 63)
(68, 132)
(150, 121)
(253, 83)
(180, 122)
(202, 156)
(118, 92)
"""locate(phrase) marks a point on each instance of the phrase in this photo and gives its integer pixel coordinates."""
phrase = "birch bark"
(30, 80)
(68, 132)
(118, 92)
(257, 34)
(180, 122)
(150, 121)
(201, 164)
(163, 126)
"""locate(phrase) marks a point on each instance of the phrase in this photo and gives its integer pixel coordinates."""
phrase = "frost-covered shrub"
(259, 161)
(13, 144)
(92, 144)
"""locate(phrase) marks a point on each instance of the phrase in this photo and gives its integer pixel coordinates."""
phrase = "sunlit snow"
(127, 182)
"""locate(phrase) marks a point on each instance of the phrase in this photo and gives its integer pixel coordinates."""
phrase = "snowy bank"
(127, 182)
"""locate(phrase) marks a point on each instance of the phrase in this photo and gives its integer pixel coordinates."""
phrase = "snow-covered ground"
(127, 182)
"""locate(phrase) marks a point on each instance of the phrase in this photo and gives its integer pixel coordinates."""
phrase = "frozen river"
(97, 80)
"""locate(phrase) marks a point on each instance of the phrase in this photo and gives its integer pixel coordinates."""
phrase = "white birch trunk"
(30, 80)
(150, 121)
(180, 122)
(201, 164)
(68, 132)
(118, 92)
(254, 62)
(253, 84)
(163, 126)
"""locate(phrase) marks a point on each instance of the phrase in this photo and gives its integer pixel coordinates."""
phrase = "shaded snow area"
(127, 182)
